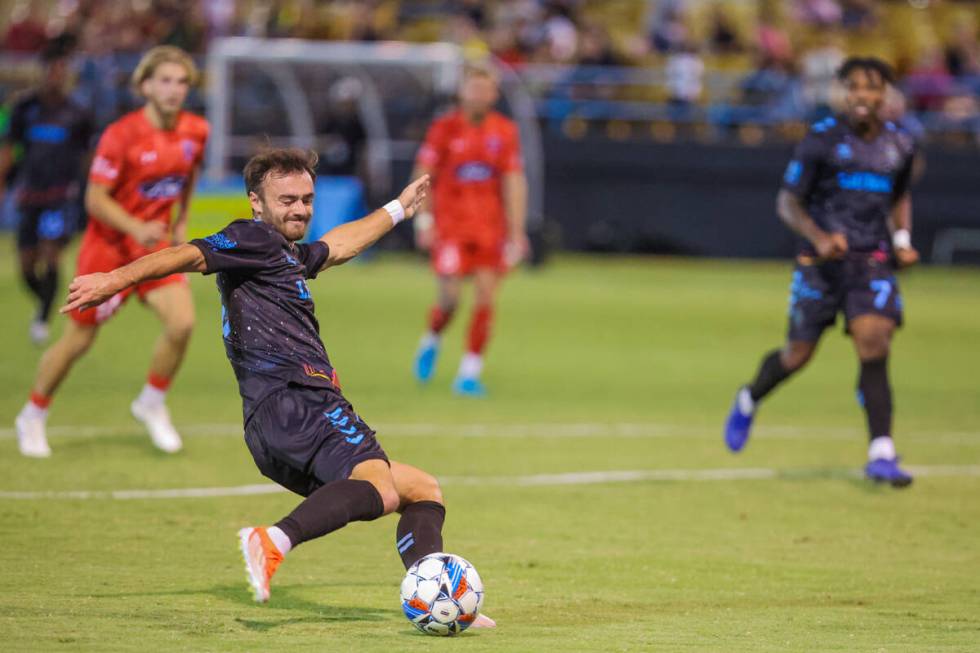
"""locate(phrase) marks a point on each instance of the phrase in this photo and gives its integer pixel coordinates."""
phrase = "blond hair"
(159, 55)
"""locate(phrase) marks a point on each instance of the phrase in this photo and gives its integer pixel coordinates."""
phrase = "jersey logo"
(868, 182)
(104, 168)
(220, 241)
(493, 144)
(163, 189)
(148, 157)
(844, 151)
(46, 133)
(189, 148)
(474, 171)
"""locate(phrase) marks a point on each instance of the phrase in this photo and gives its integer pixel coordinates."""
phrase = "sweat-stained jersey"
(849, 185)
(271, 335)
(146, 169)
(468, 162)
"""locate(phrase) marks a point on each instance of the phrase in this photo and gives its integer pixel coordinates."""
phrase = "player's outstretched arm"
(792, 213)
(92, 289)
(348, 240)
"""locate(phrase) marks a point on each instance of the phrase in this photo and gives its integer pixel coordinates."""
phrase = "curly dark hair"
(867, 64)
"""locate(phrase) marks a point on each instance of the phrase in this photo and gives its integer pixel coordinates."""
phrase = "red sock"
(39, 400)
(438, 319)
(480, 329)
(161, 383)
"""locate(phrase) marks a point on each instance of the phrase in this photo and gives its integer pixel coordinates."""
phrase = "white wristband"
(902, 239)
(395, 210)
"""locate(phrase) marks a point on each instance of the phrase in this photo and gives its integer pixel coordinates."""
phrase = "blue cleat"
(739, 424)
(886, 470)
(469, 387)
(425, 361)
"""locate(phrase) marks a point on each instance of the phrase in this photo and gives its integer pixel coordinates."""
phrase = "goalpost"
(277, 92)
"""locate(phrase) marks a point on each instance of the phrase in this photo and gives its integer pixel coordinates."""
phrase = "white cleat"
(31, 438)
(156, 419)
(483, 621)
(39, 332)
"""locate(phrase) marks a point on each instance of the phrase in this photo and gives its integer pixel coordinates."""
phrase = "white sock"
(745, 404)
(430, 339)
(151, 396)
(33, 411)
(280, 539)
(882, 447)
(471, 366)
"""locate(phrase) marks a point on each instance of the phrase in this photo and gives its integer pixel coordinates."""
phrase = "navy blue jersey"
(849, 185)
(55, 139)
(271, 334)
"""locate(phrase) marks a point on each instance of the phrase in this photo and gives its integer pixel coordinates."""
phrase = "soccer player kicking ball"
(473, 155)
(846, 192)
(301, 431)
(145, 163)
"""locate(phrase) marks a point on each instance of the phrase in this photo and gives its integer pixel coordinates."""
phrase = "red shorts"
(458, 259)
(98, 255)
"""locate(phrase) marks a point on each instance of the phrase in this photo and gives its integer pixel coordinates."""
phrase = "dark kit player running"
(846, 192)
(54, 135)
(301, 431)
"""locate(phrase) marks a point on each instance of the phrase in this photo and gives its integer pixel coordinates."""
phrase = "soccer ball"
(442, 594)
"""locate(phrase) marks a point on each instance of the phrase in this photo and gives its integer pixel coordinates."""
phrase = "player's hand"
(414, 195)
(516, 249)
(906, 257)
(149, 234)
(831, 246)
(90, 290)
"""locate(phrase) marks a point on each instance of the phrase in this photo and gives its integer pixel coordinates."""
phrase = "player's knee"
(389, 498)
(794, 358)
(179, 329)
(426, 488)
(872, 346)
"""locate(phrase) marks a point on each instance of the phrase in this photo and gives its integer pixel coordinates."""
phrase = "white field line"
(533, 480)
(540, 430)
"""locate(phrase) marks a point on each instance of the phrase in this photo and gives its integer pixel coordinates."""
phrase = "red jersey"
(468, 162)
(146, 169)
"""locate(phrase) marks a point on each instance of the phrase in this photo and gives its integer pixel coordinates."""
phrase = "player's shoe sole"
(31, 438)
(738, 427)
(261, 558)
(156, 419)
(466, 387)
(425, 363)
(883, 470)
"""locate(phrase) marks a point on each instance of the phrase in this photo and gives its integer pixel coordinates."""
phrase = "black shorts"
(858, 285)
(304, 437)
(37, 223)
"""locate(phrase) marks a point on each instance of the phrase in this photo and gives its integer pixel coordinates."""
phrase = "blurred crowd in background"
(728, 62)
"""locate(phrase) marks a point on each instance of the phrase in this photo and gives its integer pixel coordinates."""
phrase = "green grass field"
(599, 365)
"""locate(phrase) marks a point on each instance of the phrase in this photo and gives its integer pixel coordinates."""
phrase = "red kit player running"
(145, 163)
(479, 202)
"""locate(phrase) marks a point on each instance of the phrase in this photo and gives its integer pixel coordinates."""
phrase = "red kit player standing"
(145, 163)
(479, 203)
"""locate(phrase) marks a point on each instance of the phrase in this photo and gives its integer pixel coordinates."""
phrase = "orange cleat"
(483, 621)
(262, 558)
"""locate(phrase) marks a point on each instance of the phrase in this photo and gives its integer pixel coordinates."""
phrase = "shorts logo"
(163, 189)
(474, 171)
(793, 172)
(844, 151)
(340, 422)
(315, 373)
(800, 290)
(220, 241)
(51, 224)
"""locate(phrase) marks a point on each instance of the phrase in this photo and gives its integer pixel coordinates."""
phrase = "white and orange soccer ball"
(442, 594)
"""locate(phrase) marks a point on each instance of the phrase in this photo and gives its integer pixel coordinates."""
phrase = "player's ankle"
(37, 406)
(279, 539)
(882, 447)
(471, 366)
(154, 392)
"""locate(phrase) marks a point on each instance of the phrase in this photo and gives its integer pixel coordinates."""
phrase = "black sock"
(32, 282)
(875, 394)
(419, 531)
(330, 507)
(48, 290)
(771, 373)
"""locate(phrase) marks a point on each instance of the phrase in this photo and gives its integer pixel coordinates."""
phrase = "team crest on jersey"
(163, 189)
(892, 156)
(493, 144)
(844, 152)
(148, 157)
(189, 148)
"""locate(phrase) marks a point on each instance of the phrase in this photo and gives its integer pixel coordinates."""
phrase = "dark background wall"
(716, 200)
